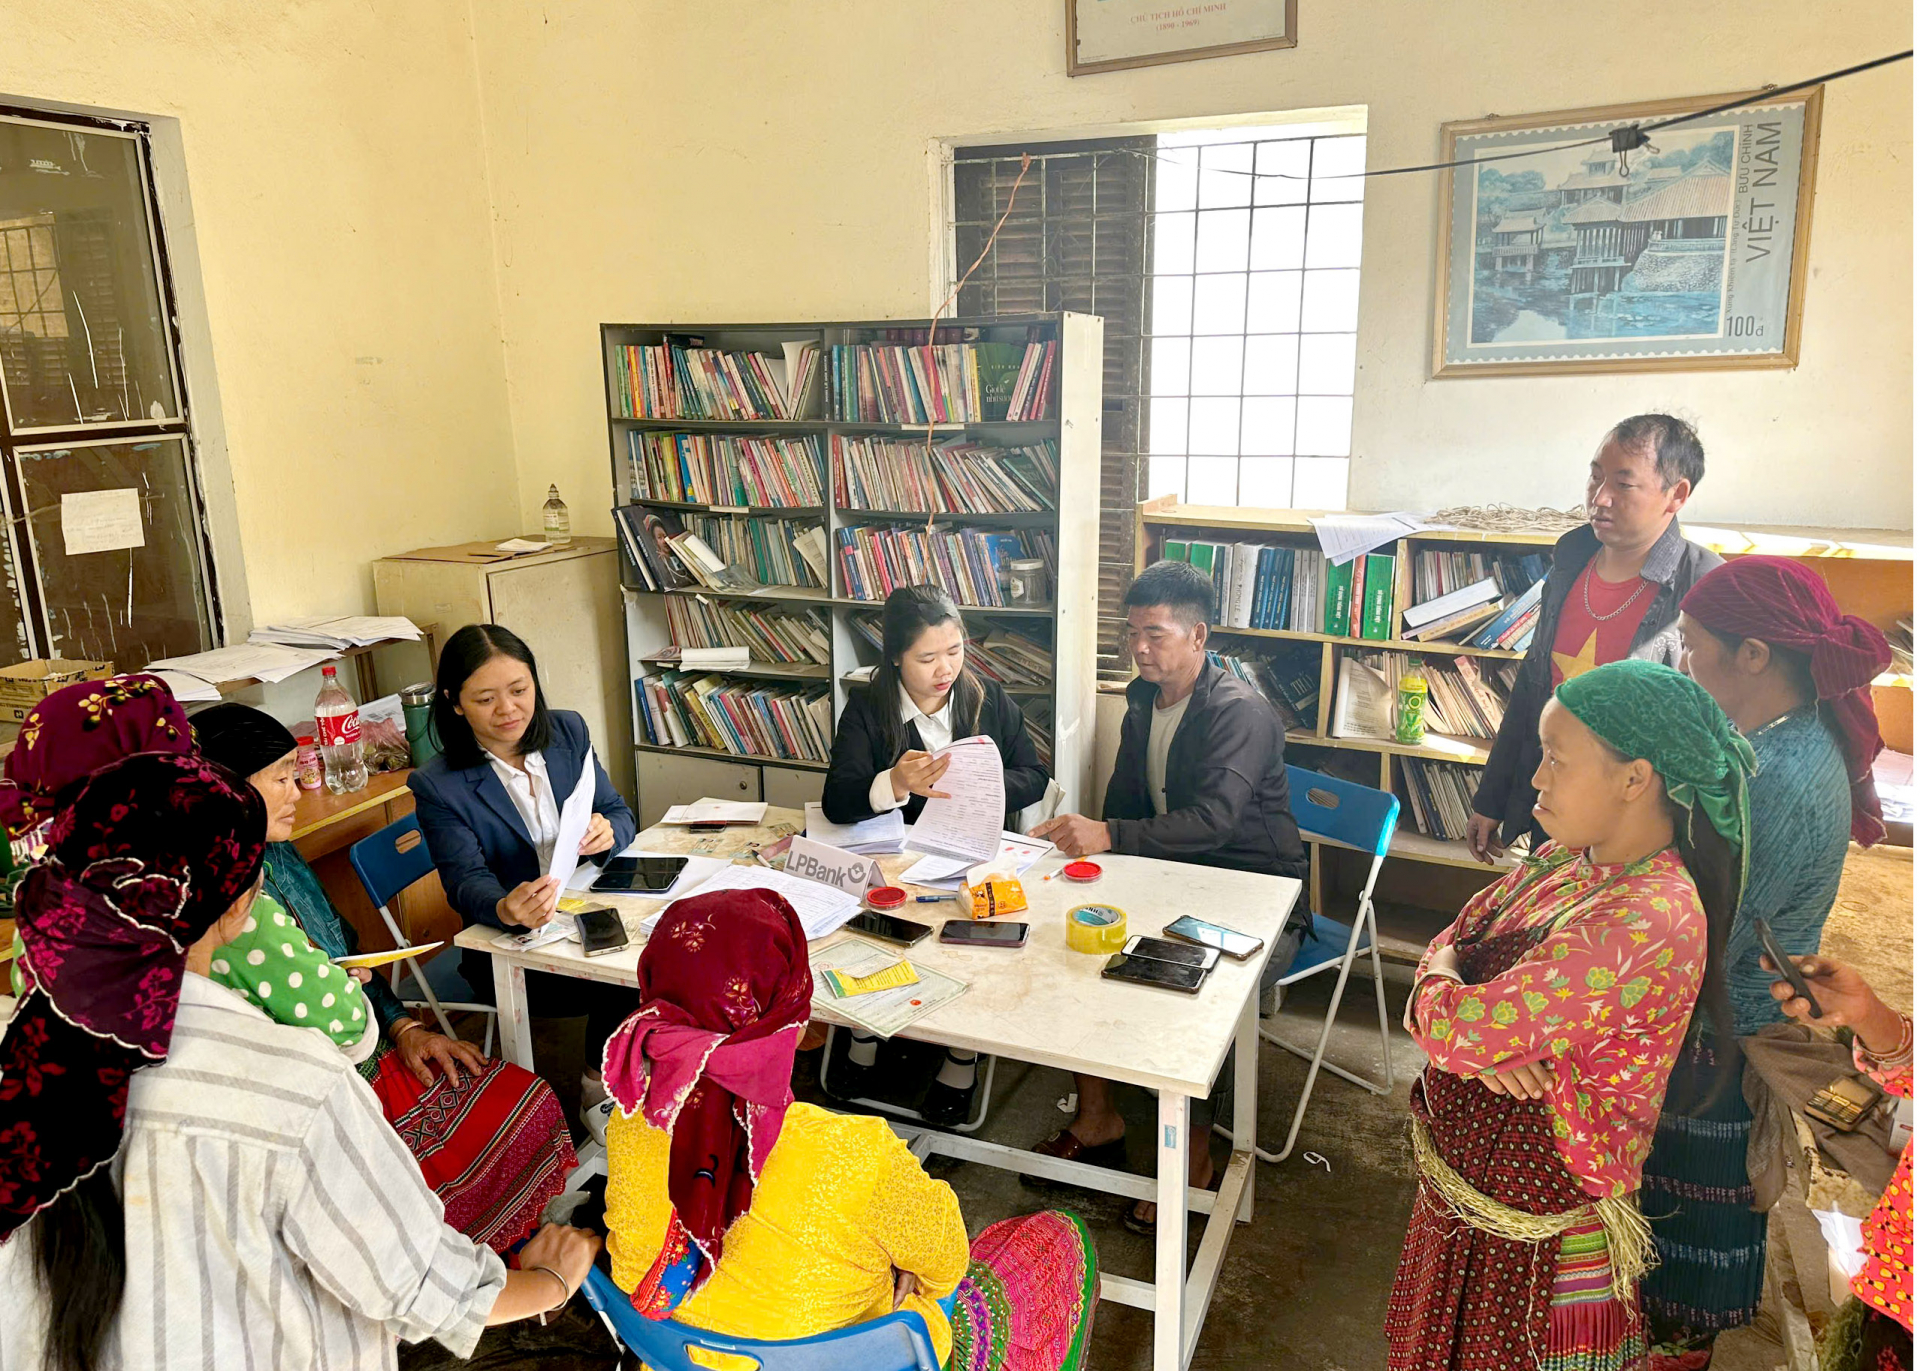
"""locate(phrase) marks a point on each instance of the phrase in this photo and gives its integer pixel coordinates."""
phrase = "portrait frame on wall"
(1119, 34)
(1696, 260)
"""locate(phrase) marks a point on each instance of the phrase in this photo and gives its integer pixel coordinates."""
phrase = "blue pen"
(930, 899)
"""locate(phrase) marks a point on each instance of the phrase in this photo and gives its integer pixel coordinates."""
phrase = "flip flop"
(1134, 1223)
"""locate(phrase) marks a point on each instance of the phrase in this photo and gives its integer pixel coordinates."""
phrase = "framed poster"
(1111, 35)
(1691, 257)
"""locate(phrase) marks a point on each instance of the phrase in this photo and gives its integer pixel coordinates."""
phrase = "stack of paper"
(188, 689)
(966, 824)
(258, 661)
(338, 632)
(1017, 852)
(885, 1012)
(717, 812)
(821, 908)
(882, 833)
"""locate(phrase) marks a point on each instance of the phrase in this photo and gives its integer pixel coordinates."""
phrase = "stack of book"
(1438, 572)
(682, 709)
(1440, 796)
(968, 563)
(1290, 680)
(1466, 698)
(774, 552)
(959, 476)
(1011, 659)
(1294, 589)
(1496, 609)
(1037, 711)
(788, 636)
(683, 380)
(1511, 630)
(724, 469)
(947, 383)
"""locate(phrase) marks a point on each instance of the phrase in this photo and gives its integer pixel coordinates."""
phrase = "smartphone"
(889, 928)
(639, 875)
(970, 933)
(1146, 971)
(1786, 966)
(1238, 946)
(1162, 950)
(601, 931)
(706, 828)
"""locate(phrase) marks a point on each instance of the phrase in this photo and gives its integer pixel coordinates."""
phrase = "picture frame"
(1120, 34)
(1556, 264)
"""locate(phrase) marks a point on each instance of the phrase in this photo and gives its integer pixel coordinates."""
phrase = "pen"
(930, 899)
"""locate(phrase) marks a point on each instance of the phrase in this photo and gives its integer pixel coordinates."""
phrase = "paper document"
(882, 833)
(576, 815)
(1346, 536)
(555, 930)
(394, 954)
(821, 908)
(188, 689)
(1363, 702)
(716, 812)
(966, 825)
(1017, 852)
(885, 1012)
(260, 661)
(523, 545)
(101, 520)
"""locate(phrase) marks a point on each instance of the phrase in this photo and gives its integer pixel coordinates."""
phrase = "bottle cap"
(304, 740)
(882, 897)
(328, 671)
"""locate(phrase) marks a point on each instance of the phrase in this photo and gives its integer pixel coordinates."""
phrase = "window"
(106, 554)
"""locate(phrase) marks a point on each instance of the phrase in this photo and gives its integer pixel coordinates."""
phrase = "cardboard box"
(26, 685)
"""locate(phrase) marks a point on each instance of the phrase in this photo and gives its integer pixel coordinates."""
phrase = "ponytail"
(80, 1253)
(1714, 864)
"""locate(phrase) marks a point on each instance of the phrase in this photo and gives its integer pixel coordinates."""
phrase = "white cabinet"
(789, 787)
(667, 779)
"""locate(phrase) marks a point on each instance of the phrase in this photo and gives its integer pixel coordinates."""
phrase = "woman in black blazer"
(921, 697)
(922, 686)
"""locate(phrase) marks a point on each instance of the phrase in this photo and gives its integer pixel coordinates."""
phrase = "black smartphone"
(889, 928)
(1146, 971)
(972, 933)
(706, 828)
(639, 875)
(1786, 966)
(601, 931)
(1166, 950)
(1238, 946)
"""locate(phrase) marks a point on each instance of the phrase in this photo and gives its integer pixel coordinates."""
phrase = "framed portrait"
(1689, 255)
(1112, 35)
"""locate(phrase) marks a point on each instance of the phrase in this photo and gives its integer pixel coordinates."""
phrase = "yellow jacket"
(840, 1206)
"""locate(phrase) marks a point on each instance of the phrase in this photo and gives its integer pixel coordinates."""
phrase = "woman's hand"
(1445, 961)
(905, 1286)
(421, 1049)
(569, 1251)
(1846, 1000)
(917, 772)
(529, 904)
(362, 974)
(1525, 1082)
(599, 837)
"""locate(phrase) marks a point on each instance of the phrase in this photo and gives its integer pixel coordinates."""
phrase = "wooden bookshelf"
(673, 775)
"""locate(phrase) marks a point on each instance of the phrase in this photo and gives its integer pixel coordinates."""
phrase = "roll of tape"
(1096, 928)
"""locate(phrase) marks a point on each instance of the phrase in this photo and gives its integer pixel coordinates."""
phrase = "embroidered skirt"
(1027, 1301)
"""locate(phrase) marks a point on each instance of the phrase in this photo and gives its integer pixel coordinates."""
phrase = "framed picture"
(1111, 35)
(1690, 256)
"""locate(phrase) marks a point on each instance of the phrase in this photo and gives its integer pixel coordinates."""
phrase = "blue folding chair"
(387, 863)
(1361, 818)
(898, 1342)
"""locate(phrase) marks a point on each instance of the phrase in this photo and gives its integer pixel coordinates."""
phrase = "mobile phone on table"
(974, 933)
(890, 928)
(1238, 946)
(1146, 971)
(1166, 950)
(639, 875)
(601, 931)
(706, 828)
(1788, 968)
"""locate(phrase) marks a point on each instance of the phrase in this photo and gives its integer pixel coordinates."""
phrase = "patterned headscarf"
(725, 989)
(1649, 710)
(79, 729)
(1786, 605)
(141, 862)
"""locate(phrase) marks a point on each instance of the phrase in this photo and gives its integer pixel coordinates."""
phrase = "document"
(966, 825)
(1017, 852)
(1346, 536)
(392, 954)
(101, 520)
(188, 689)
(243, 661)
(882, 833)
(885, 1012)
(576, 815)
(716, 812)
(821, 908)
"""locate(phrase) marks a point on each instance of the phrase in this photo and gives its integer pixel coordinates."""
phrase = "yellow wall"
(339, 188)
(707, 160)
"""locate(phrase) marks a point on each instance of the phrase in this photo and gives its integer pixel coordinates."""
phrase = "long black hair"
(465, 653)
(909, 612)
(80, 1251)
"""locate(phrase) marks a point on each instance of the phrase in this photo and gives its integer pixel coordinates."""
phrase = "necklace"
(1586, 581)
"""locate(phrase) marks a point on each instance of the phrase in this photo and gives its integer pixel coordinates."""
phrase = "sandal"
(1135, 1222)
(1066, 1145)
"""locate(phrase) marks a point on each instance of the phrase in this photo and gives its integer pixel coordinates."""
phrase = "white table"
(1049, 1005)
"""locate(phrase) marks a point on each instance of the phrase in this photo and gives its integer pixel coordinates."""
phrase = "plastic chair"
(387, 863)
(1361, 818)
(898, 1342)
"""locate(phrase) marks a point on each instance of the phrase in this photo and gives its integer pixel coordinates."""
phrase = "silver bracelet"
(566, 1292)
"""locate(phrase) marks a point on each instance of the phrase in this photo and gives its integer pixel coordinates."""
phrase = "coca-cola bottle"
(337, 721)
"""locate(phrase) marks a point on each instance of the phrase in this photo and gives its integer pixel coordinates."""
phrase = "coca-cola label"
(341, 730)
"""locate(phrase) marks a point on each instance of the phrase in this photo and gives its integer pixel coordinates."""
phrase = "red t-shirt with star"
(1597, 623)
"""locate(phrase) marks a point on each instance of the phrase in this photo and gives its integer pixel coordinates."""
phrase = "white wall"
(708, 160)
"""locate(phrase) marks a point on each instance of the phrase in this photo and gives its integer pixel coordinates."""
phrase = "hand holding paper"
(576, 823)
(967, 821)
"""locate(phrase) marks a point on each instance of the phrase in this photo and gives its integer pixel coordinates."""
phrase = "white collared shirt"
(936, 731)
(532, 795)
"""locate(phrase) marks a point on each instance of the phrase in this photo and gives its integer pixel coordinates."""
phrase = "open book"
(1363, 702)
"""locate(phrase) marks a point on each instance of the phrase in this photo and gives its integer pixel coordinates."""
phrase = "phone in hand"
(889, 928)
(1166, 950)
(1788, 968)
(1238, 946)
(639, 875)
(1147, 971)
(601, 931)
(974, 933)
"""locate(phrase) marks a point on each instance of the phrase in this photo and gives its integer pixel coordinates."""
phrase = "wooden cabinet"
(787, 788)
(667, 779)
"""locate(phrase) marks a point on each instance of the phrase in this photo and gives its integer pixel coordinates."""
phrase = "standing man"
(1613, 591)
(1201, 776)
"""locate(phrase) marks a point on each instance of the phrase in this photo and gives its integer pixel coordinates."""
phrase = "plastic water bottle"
(559, 527)
(337, 720)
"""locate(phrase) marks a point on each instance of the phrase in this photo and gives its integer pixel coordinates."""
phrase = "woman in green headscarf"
(1552, 1012)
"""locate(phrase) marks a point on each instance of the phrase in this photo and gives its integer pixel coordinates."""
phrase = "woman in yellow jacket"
(732, 1208)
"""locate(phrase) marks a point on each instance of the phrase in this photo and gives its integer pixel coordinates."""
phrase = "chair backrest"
(898, 1342)
(1357, 815)
(389, 861)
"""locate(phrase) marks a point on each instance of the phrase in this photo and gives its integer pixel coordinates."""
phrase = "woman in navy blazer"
(489, 806)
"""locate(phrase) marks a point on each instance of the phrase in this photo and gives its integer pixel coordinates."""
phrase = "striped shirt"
(273, 1218)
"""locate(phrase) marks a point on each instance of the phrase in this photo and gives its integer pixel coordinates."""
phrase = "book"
(1489, 635)
(1173, 550)
(1451, 628)
(1338, 602)
(1452, 604)
(1242, 584)
(724, 469)
(713, 570)
(1363, 702)
(1376, 619)
(656, 539)
(958, 476)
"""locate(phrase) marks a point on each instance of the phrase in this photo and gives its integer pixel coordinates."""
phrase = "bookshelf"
(1869, 571)
(680, 457)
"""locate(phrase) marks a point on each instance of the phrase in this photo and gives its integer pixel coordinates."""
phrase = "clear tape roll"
(1096, 928)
